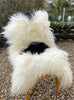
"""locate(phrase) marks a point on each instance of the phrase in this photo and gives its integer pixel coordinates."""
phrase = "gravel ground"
(44, 89)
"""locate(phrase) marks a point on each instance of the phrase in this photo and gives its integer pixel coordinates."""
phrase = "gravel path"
(44, 89)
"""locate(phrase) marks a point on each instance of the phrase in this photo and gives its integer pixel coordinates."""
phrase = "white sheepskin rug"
(27, 67)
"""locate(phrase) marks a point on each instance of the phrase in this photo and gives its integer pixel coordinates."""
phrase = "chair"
(34, 54)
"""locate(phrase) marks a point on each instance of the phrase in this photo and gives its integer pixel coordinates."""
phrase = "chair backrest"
(21, 30)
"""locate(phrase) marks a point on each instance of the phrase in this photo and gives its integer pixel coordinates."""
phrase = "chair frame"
(43, 77)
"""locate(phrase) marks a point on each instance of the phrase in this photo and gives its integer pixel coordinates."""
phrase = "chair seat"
(31, 67)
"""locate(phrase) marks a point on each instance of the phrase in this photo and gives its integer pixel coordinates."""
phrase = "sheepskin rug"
(27, 67)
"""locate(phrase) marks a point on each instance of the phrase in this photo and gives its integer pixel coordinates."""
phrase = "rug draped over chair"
(33, 52)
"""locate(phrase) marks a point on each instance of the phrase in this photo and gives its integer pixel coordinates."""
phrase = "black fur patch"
(28, 14)
(36, 47)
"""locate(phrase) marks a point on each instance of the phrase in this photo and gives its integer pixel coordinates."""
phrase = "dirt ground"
(44, 89)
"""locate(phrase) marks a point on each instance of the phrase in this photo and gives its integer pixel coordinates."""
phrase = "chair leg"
(57, 89)
(27, 96)
(57, 85)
